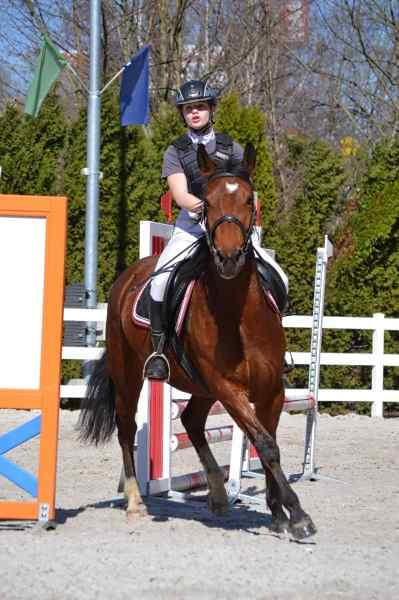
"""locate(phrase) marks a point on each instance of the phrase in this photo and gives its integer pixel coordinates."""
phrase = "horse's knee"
(267, 448)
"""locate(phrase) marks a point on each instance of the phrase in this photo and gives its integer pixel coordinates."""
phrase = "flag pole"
(93, 163)
(106, 86)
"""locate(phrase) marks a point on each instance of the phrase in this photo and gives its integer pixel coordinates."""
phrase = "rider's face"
(196, 114)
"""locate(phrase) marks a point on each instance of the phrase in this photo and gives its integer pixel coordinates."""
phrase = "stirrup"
(166, 362)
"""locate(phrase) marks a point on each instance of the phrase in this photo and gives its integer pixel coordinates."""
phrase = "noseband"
(246, 233)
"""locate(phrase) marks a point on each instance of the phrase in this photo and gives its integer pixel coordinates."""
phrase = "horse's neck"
(228, 297)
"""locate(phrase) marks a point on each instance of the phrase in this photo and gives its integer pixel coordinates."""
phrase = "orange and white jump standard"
(32, 258)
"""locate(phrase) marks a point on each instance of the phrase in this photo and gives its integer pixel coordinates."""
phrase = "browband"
(241, 174)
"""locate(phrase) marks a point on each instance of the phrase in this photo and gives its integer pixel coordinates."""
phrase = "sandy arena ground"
(183, 552)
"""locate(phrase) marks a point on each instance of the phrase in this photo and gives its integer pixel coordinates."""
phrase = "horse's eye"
(250, 201)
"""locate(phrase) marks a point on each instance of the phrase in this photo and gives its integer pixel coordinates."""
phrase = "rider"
(196, 102)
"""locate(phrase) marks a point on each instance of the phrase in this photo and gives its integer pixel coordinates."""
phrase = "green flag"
(49, 66)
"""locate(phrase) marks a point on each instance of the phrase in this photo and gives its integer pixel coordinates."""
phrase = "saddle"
(178, 294)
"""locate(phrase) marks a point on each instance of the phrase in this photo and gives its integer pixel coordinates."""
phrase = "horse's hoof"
(279, 525)
(136, 512)
(219, 509)
(302, 529)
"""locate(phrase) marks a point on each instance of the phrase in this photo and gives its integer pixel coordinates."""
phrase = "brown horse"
(234, 339)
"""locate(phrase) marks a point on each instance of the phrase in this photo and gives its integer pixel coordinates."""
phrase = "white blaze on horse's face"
(231, 187)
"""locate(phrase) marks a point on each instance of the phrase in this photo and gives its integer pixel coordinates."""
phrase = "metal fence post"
(377, 376)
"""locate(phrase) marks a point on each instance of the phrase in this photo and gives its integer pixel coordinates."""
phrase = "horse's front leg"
(279, 492)
(280, 522)
(269, 417)
(254, 425)
(194, 419)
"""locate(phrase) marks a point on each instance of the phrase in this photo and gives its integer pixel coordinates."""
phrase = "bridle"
(246, 233)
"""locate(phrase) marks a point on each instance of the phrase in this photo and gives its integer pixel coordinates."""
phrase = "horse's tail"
(97, 419)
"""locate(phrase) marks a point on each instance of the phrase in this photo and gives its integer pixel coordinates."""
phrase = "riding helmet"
(195, 91)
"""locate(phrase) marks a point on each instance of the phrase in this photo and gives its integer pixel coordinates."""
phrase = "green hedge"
(354, 199)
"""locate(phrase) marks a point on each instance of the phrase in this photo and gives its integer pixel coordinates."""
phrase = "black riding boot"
(156, 366)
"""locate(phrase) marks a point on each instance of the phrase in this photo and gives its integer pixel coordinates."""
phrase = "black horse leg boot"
(156, 366)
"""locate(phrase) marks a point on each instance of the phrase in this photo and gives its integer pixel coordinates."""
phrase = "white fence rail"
(376, 359)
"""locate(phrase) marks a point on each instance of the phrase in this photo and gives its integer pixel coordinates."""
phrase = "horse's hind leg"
(128, 382)
(126, 433)
(194, 419)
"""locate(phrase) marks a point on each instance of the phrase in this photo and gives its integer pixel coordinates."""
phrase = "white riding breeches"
(180, 246)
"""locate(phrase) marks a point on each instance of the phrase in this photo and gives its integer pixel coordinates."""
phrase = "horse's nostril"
(236, 254)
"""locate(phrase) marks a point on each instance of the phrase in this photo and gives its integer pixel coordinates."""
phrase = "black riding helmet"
(195, 91)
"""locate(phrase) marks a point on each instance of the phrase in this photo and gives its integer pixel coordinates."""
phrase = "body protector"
(187, 154)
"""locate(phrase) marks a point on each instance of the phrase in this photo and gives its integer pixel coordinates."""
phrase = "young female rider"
(196, 102)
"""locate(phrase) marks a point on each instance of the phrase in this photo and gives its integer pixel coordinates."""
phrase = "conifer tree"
(247, 124)
(320, 174)
(370, 262)
(32, 150)
(317, 203)
(364, 278)
(11, 139)
(75, 190)
(131, 162)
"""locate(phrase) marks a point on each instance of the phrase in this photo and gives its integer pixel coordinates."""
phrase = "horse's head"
(229, 209)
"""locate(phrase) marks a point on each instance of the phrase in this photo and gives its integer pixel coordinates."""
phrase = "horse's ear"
(249, 160)
(205, 163)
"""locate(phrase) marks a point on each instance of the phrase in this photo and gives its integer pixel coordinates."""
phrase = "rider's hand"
(197, 214)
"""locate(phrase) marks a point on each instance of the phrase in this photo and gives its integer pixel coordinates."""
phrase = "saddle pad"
(141, 307)
(272, 302)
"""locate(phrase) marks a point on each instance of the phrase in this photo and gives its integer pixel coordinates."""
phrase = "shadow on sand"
(243, 515)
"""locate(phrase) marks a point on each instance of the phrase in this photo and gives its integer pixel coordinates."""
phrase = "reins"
(210, 232)
(246, 233)
(166, 268)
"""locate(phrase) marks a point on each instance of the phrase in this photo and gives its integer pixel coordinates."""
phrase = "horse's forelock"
(228, 186)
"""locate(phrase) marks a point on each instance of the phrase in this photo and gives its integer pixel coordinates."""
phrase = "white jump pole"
(323, 254)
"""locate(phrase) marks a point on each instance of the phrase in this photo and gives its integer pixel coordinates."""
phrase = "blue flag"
(134, 94)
